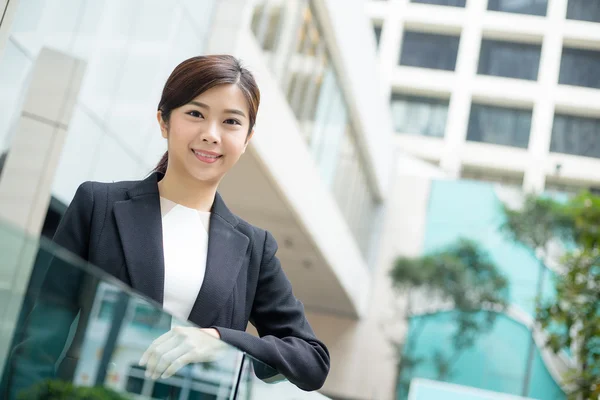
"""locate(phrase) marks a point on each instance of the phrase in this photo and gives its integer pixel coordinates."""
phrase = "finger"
(153, 345)
(157, 352)
(179, 363)
(168, 358)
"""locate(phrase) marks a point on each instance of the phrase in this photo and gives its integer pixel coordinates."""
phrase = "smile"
(206, 156)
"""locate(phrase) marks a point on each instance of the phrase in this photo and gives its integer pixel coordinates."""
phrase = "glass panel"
(511, 60)
(580, 67)
(499, 125)
(576, 135)
(452, 3)
(419, 115)
(77, 329)
(584, 10)
(531, 7)
(258, 381)
(429, 50)
(96, 331)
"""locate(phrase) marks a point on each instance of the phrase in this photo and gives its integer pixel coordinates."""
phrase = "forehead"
(224, 96)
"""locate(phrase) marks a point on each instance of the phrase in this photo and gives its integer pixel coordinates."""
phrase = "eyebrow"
(206, 107)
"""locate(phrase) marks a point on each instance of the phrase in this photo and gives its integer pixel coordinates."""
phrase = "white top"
(185, 245)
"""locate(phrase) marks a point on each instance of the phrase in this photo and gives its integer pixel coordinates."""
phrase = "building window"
(451, 3)
(499, 125)
(530, 7)
(428, 50)
(377, 31)
(511, 60)
(584, 10)
(576, 135)
(580, 67)
(419, 115)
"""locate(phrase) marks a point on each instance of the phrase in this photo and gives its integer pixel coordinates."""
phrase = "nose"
(211, 134)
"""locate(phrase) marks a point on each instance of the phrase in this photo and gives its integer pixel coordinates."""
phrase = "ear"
(164, 128)
(248, 140)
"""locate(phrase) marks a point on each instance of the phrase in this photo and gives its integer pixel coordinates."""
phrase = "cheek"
(180, 135)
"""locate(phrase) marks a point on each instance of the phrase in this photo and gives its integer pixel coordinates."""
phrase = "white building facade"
(495, 89)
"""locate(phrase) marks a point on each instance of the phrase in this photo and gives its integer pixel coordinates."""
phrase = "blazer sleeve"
(56, 301)
(287, 341)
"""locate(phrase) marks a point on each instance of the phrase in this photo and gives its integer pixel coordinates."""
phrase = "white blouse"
(185, 245)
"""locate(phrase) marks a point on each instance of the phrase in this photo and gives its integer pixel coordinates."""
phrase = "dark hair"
(195, 76)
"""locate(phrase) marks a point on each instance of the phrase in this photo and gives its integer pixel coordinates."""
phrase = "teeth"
(205, 155)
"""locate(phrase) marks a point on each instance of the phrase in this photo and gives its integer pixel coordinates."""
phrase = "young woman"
(172, 238)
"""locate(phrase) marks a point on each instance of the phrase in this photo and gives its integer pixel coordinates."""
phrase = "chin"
(205, 177)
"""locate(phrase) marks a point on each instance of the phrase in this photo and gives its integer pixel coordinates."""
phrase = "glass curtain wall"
(290, 35)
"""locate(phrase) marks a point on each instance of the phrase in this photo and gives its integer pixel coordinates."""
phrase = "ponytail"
(161, 167)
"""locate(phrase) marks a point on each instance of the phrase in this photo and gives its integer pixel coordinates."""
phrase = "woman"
(172, 238)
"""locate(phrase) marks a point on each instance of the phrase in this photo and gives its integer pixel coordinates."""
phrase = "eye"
(196, 114)
(232, 121)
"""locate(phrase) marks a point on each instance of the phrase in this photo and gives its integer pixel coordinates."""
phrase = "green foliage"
(61, 390)
(572, 319)
(462, 274)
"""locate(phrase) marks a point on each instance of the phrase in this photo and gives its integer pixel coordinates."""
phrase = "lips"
(208, 157)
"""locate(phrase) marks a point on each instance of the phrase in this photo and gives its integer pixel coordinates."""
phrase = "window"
(511, 60)
(580, 67)
(428, 50)
(419, 115)
(584, 10)
(531, 7)
(452, 3)
(377, 31)
(499, 125)
(576, 135)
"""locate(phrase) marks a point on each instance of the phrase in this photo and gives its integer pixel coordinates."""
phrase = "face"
(207, 136)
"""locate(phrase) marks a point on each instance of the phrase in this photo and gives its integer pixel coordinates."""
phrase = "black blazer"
(118, 227)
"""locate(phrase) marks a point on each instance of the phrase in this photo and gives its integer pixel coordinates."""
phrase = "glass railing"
(70, 331)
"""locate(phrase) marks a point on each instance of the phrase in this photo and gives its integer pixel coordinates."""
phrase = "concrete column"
(543, 111)
(390, 44)
(460, 102)
(28, 173)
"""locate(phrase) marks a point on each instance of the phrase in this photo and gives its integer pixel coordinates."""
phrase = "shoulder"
(261, 239)
(107, 190)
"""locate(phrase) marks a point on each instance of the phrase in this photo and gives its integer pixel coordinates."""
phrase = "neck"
(187, 191)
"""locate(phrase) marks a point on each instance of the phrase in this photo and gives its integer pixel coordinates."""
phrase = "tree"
(572, 318)
(464, 277)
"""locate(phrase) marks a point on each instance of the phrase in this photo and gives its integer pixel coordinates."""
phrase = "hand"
(179, 347)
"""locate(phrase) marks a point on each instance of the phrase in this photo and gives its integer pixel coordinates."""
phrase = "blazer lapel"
(140, 228)
(227, 250)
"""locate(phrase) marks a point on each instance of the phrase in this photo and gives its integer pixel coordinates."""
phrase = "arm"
(47, 326)
(287, 341)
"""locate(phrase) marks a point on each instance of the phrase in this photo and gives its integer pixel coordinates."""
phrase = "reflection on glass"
(97, 331)
(429, 50)
(511, 60)
(575, 135)
(499, 125)
(580, 67)
(583, 10)
(531, 7)
(419, 115)
(452, 3)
